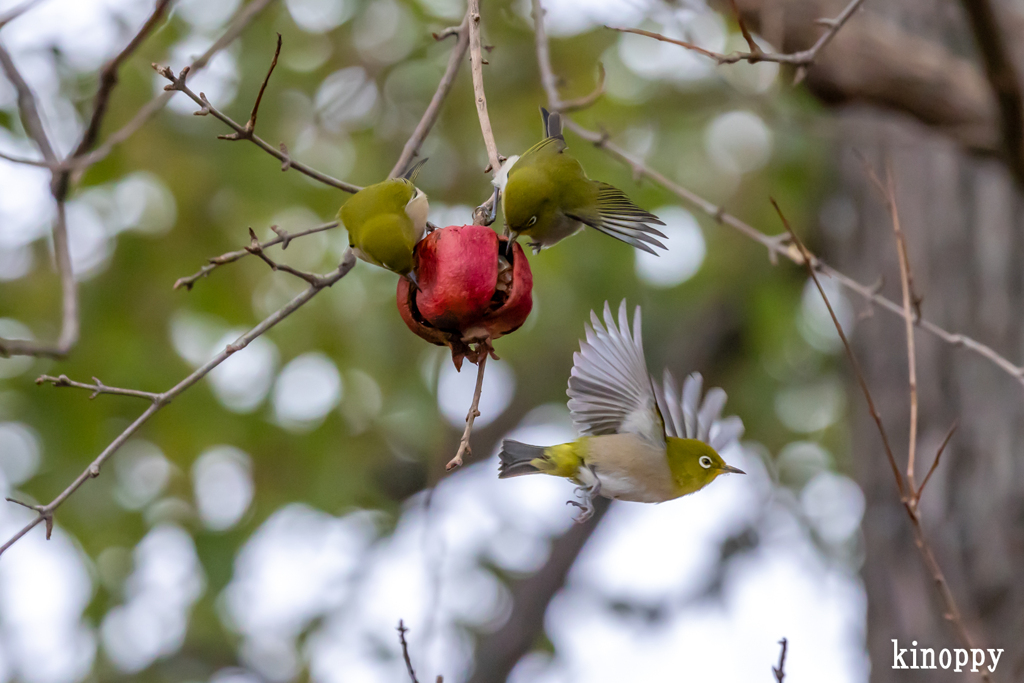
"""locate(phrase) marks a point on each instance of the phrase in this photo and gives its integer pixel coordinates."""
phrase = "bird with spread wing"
(638, 441)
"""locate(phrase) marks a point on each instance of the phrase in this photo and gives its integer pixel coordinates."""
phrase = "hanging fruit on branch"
(471, 291)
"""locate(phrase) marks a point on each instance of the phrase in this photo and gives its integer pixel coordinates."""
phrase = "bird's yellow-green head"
(537, 197)
(695, 464)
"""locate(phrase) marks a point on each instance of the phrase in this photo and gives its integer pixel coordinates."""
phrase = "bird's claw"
(586, 503)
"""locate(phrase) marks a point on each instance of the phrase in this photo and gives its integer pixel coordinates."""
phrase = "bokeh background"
(278, 519)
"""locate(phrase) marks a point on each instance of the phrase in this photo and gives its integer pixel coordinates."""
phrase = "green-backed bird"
(386, 220)
(638, 441)
(547, 197)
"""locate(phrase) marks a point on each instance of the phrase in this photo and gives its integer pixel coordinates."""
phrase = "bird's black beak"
(411, 277)
(730, 469)
(512, 237)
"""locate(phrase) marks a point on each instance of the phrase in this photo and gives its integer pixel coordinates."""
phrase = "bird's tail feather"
(517, 459)
(617, 216)
(552, 124)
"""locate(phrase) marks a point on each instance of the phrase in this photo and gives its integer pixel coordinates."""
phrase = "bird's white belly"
(628, 468)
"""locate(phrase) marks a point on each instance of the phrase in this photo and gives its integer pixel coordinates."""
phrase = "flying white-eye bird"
(386, 220)
(638, 441)
(546, 196)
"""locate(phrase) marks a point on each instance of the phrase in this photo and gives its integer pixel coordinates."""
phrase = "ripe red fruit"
(469, 292)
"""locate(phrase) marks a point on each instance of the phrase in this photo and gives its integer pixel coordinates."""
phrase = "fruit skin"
(460, 300)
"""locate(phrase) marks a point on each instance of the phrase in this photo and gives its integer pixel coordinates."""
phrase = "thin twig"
(935, 463)
(888, 192)
(444, 87)
(474, 412)
(241, 133)
(257, 249)
(93, 470)
(901, 250)
(251, 124)
(283, 238)
(907, 499)
(97, 388)
(780, 670)
(803, 58)
(405, 651)
(754, 47)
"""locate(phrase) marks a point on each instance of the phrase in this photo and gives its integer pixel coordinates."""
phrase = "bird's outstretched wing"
(688, 418)
(610, 391)
(617, 216)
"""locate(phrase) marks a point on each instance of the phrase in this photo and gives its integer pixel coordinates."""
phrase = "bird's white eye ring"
(705, 461)
(532, 221)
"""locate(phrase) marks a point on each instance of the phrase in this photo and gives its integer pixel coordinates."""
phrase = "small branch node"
(286, 163)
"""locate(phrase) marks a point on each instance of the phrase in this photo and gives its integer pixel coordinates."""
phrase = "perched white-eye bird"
(386, 220)
(546, 196)
(638, 441)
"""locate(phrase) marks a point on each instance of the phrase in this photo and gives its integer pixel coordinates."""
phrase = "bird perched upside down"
(639, 442)
(386, 220)
(546, 196)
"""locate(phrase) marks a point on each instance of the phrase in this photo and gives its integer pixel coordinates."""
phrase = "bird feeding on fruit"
(386, 220)
(638, 441)
(547, 197)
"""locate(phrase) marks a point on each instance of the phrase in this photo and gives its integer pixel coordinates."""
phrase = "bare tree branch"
(97, 388)
(477, 62)
(162, 399)
(283, 238)
(433, 110)
(1004, 79)
(801, 59)
(155, 105)
(483, 214)
(244, 133)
